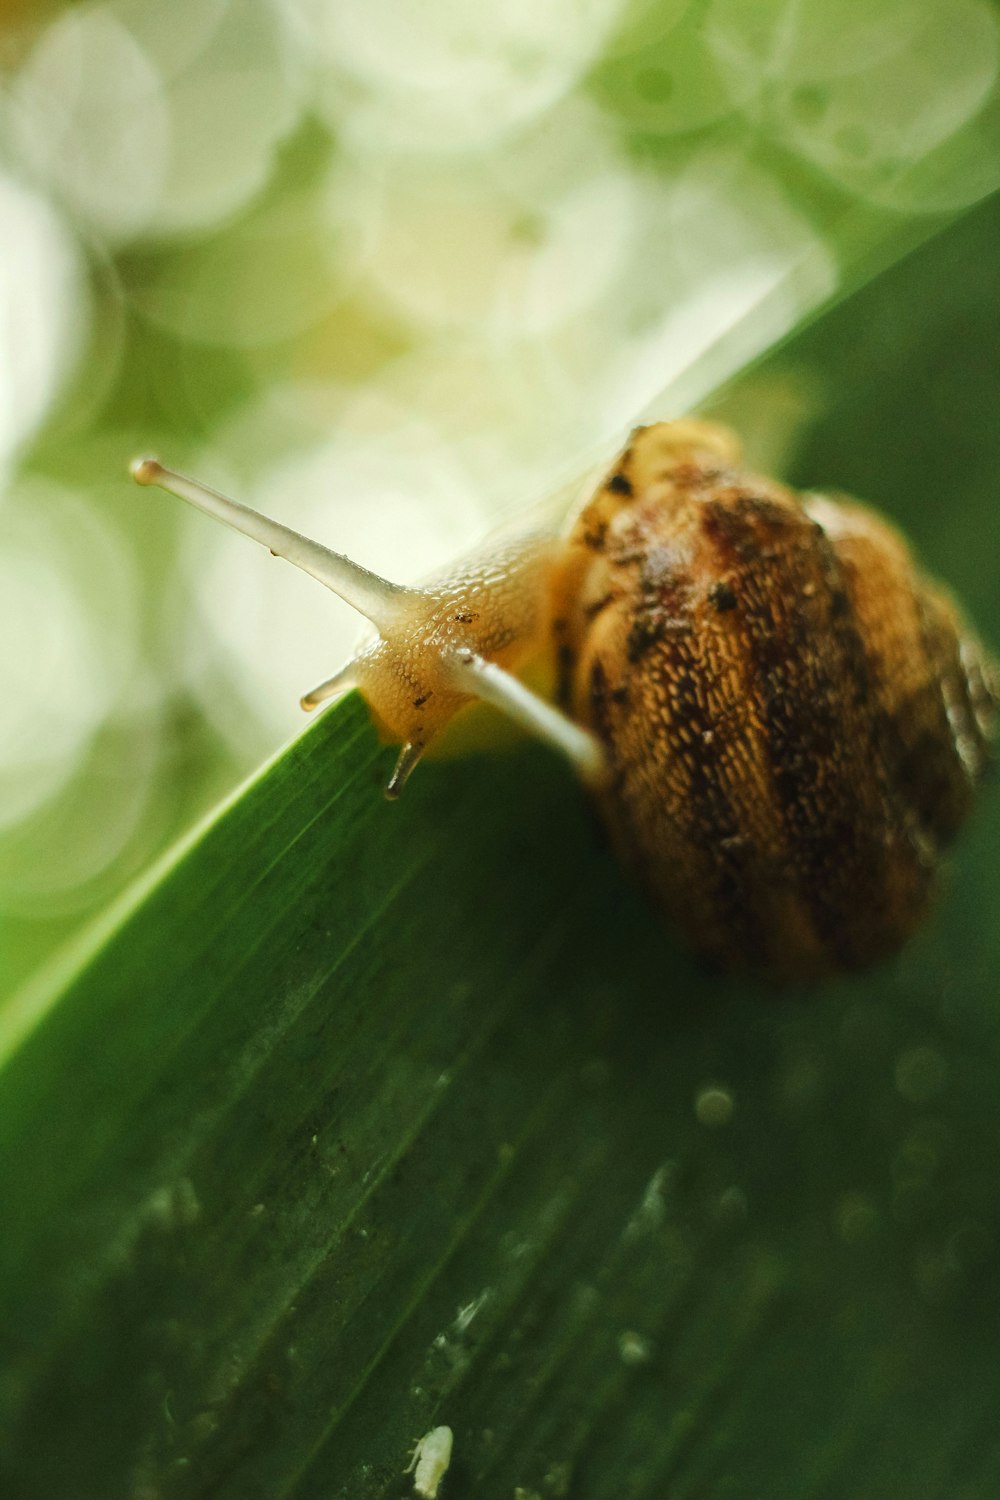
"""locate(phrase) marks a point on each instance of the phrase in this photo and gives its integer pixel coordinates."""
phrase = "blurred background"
(387, 271)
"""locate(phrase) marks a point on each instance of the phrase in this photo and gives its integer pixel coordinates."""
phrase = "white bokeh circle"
(44, 311)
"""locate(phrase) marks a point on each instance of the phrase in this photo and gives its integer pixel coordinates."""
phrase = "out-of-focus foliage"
(384, 269)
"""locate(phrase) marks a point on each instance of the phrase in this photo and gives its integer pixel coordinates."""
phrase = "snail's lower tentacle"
(334, 687)
(486, 680)
(408, 758)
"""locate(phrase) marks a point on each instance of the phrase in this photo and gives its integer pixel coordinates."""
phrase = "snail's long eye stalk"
(438, 645)
(376, 598)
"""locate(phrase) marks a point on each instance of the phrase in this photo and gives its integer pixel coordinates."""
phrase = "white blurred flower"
(69, 623)
(139, 127)
(277, 272)
(44, 312)
(234, 90)
(444, 75)
(513, 246)
(869, 93)
(89, 116)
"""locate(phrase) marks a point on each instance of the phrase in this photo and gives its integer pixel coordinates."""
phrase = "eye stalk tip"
(146, 470)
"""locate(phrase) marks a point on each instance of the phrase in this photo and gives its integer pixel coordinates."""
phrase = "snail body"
(781, 719)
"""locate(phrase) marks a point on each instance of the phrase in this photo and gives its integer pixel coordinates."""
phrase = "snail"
(781, 719)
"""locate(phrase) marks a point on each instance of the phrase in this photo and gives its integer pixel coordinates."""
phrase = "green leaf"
(372, 1118)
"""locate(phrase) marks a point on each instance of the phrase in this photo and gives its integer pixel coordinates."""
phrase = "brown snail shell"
(795, 716)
